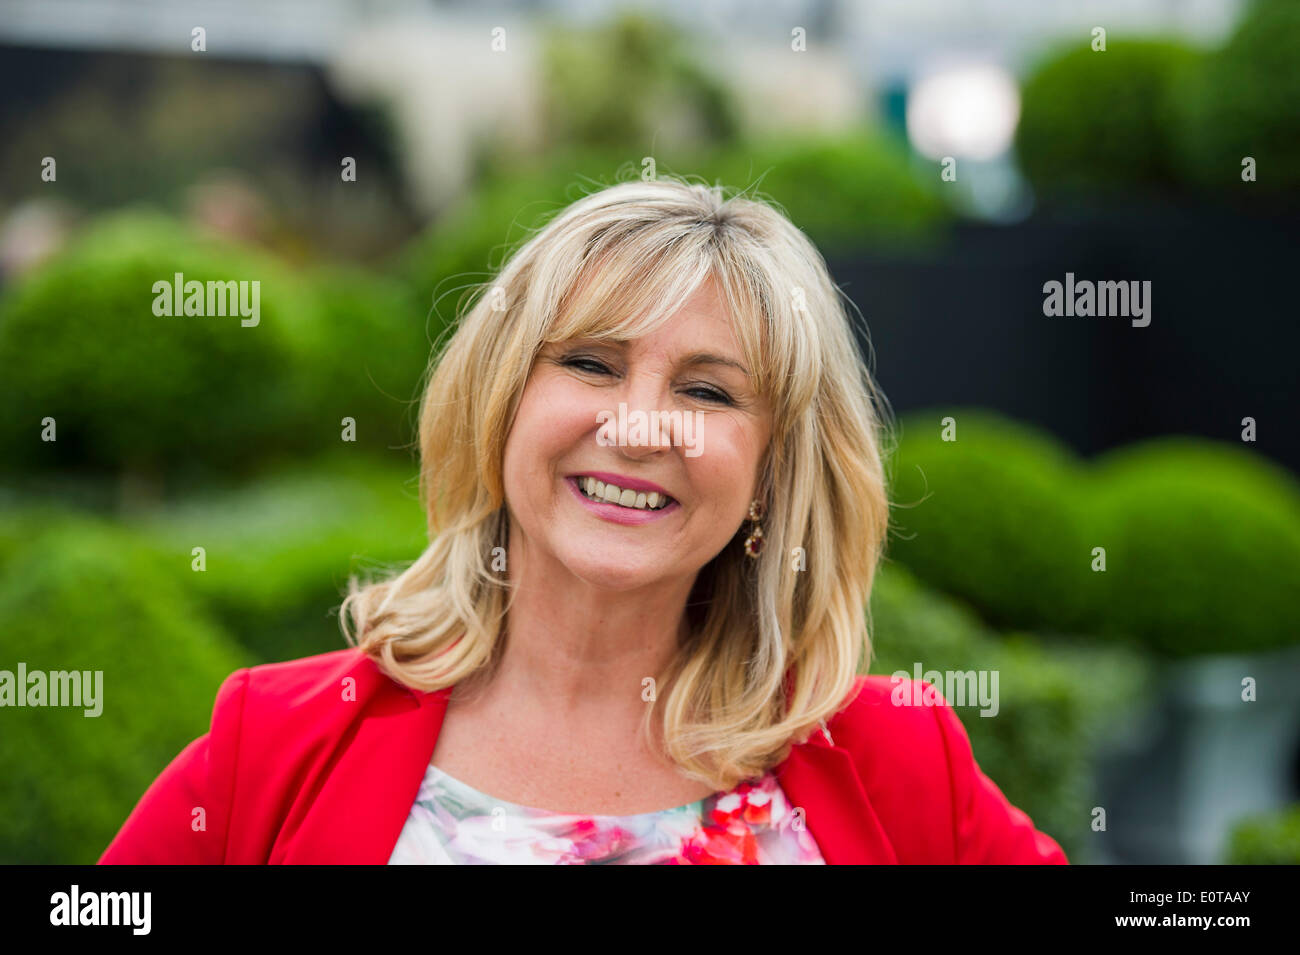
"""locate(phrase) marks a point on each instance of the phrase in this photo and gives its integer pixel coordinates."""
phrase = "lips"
(635, 512)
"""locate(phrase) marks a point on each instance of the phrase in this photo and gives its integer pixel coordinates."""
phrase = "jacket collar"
(817, 776)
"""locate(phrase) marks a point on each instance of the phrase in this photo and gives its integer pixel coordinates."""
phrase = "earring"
(754, 542)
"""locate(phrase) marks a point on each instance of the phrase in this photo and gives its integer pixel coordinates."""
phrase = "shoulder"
(914, 758)
(892, 719)
(305, 693)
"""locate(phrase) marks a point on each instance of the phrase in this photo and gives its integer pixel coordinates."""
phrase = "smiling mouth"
(599, 491)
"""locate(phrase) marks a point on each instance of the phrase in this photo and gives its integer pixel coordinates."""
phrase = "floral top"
(453, 824)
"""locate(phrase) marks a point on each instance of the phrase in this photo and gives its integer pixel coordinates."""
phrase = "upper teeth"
(621, 496)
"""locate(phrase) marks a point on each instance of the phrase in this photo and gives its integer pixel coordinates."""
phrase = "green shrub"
(135, 392)
(1243, 103)
(80, 595)
(631, 79)
(989, 518)
(1056, 700)
(1266, 839)
(1105, 120)
(1202, 547)
(180, 397)
(278, 552)
(1201, 540)
(843, 191)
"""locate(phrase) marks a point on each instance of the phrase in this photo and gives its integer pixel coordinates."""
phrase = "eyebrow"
(694, 358)
(709, 358)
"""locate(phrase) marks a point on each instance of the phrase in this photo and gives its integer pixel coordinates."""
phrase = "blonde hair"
(611, 266)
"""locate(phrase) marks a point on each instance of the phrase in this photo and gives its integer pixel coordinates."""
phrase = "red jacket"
(318, 760)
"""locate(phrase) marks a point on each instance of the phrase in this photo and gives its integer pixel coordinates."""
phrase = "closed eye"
(583, 363)
(708, 393)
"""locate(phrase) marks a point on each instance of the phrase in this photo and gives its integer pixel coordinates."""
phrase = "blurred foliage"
(1157, 115)
(1271, 838)
(279, 550)
(1245, 101)
(1104, 120)
(985, 517)
(1056, 700)
(1202, 547)
(1202, 539)
(78, 594)
(134, 392)
(844, 192)
(632, 79)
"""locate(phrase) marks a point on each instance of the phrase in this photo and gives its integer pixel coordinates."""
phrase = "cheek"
(551, 421)
(728, 465)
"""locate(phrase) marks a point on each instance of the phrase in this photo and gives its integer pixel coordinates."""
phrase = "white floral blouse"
(753, 824)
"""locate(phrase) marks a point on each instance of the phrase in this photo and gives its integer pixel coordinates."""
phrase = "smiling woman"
(615, 651)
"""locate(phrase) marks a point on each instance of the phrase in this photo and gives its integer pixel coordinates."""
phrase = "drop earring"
(754, 542)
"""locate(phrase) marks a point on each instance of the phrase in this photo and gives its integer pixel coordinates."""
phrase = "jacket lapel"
(364, 802)
(822, 780)
(361, 807)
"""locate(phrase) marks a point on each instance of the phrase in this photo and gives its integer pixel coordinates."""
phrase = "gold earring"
(754, 542)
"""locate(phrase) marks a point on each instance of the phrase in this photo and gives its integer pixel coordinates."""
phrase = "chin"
(612, 570)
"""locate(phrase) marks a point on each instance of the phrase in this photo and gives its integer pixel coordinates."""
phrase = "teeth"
(624, 497)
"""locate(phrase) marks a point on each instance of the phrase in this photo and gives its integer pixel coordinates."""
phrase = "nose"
(648, 429)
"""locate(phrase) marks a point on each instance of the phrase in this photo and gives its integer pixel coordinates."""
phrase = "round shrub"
(132, 391)
(1105, 120)
(1202, 548)
(990, 518)
(135, 392)
(1243, 103)
(85, 596)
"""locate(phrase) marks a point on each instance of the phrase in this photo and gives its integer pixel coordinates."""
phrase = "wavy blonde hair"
(775, 643)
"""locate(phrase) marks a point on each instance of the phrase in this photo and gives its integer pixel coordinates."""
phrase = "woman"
(651, 462)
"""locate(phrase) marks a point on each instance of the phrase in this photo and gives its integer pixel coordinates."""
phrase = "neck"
(575, 648)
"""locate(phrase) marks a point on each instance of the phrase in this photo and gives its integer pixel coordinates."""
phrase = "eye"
(709, 393)
(585, 363)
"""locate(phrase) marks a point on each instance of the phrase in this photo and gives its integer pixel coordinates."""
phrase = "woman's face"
(688, 378)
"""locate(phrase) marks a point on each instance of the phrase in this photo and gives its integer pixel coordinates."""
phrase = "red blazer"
(318, 760)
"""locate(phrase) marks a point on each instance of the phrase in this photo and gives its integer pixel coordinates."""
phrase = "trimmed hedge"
(1107, 120)
(81, 595)
(1266, 839)
(1202, 539)
(1056, 700)
(134, 392)
(987, 519)
(278, 552)
(1242, 102)
(1157, 114)
(1202, 548)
